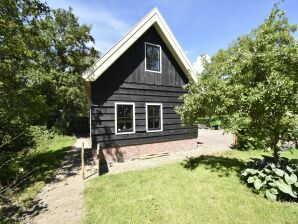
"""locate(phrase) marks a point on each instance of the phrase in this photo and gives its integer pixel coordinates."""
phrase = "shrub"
(246, 141)
(277, 183)
(40, 136)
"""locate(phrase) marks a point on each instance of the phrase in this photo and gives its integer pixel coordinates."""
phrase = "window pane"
(120, 111)
(150, 123)
(120, 126)
(150, 111)
(156, 123)
(152, 57)
(128, 111)
(153, 111)
(124, 118)
(156, 112)
(154, 117)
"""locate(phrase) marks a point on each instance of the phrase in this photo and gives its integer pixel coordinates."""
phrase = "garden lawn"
(206, 189)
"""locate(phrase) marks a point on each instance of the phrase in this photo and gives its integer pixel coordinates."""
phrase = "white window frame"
(133, 119)
(161, 116)
(160, 58)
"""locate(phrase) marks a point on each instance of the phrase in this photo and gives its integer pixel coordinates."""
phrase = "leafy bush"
(247, 141)
(40, 136)
(14, 163)
(277, 183)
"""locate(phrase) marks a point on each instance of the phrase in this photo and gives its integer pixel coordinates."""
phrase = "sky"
(200, 26)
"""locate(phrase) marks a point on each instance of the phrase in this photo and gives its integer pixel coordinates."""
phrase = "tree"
(21, 104)
(43, 53)
(251, 86)
(66, 54)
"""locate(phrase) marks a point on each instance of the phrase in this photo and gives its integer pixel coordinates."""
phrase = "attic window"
(152, 58)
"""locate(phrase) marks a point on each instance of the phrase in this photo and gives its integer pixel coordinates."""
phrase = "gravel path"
(61, 201)
(211, 142)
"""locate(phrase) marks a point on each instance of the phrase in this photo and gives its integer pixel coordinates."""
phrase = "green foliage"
(246, 141)
(276, 183)
(41, 136)
(43, 53)
(16, 163)
(252, 86)
(21, 104)
(66, 54)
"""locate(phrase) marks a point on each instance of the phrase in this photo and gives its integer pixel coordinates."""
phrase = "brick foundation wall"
(120, 154)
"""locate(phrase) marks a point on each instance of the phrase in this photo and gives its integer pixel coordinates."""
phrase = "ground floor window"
(124, 118)
(154, 120)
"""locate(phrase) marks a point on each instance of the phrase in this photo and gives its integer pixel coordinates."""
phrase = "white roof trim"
(152, 18)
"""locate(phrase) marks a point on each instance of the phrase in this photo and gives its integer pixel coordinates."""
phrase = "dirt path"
(62, 199)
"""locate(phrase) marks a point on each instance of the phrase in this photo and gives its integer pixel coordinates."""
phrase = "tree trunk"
(274, 145)
(276, 155)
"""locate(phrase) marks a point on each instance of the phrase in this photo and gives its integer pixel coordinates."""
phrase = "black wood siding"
(126, 80)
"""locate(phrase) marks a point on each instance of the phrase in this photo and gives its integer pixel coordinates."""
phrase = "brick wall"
(120, 154)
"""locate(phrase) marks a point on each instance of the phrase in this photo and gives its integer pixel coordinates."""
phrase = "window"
(154, 120)
(153, 58)
(124, 118)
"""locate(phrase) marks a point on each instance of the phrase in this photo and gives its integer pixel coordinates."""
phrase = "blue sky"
(200, 26)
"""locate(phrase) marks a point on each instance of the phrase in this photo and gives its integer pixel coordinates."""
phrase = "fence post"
(235, 140)
(83, 161)
(98, 158)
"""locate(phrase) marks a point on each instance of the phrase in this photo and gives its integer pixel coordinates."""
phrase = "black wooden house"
(134, 88)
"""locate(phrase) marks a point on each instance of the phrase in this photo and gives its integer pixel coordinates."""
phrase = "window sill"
(125, 133)
(148, 131)
(153, 71)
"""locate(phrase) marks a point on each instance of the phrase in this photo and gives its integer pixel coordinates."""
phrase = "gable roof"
(153, 18)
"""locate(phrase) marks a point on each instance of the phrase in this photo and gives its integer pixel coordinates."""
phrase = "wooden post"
(98, 158)
(235, 140)
(83, 161)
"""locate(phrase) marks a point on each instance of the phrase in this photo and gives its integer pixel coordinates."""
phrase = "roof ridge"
(153, 18)
(127, 33)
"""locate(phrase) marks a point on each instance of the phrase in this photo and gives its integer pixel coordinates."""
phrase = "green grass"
(201, 190)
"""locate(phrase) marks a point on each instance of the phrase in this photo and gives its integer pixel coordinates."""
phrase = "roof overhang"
(153, 18)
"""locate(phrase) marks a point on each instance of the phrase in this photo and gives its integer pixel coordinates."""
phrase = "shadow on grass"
(224, 166)
(44, 164)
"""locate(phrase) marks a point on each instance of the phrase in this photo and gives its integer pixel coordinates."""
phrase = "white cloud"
(102, 17)
(107, 29)
(198, 64)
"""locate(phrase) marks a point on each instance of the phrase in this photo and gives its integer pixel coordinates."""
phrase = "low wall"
(121, 154)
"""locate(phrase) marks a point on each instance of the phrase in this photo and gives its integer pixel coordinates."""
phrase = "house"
(133, 90)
